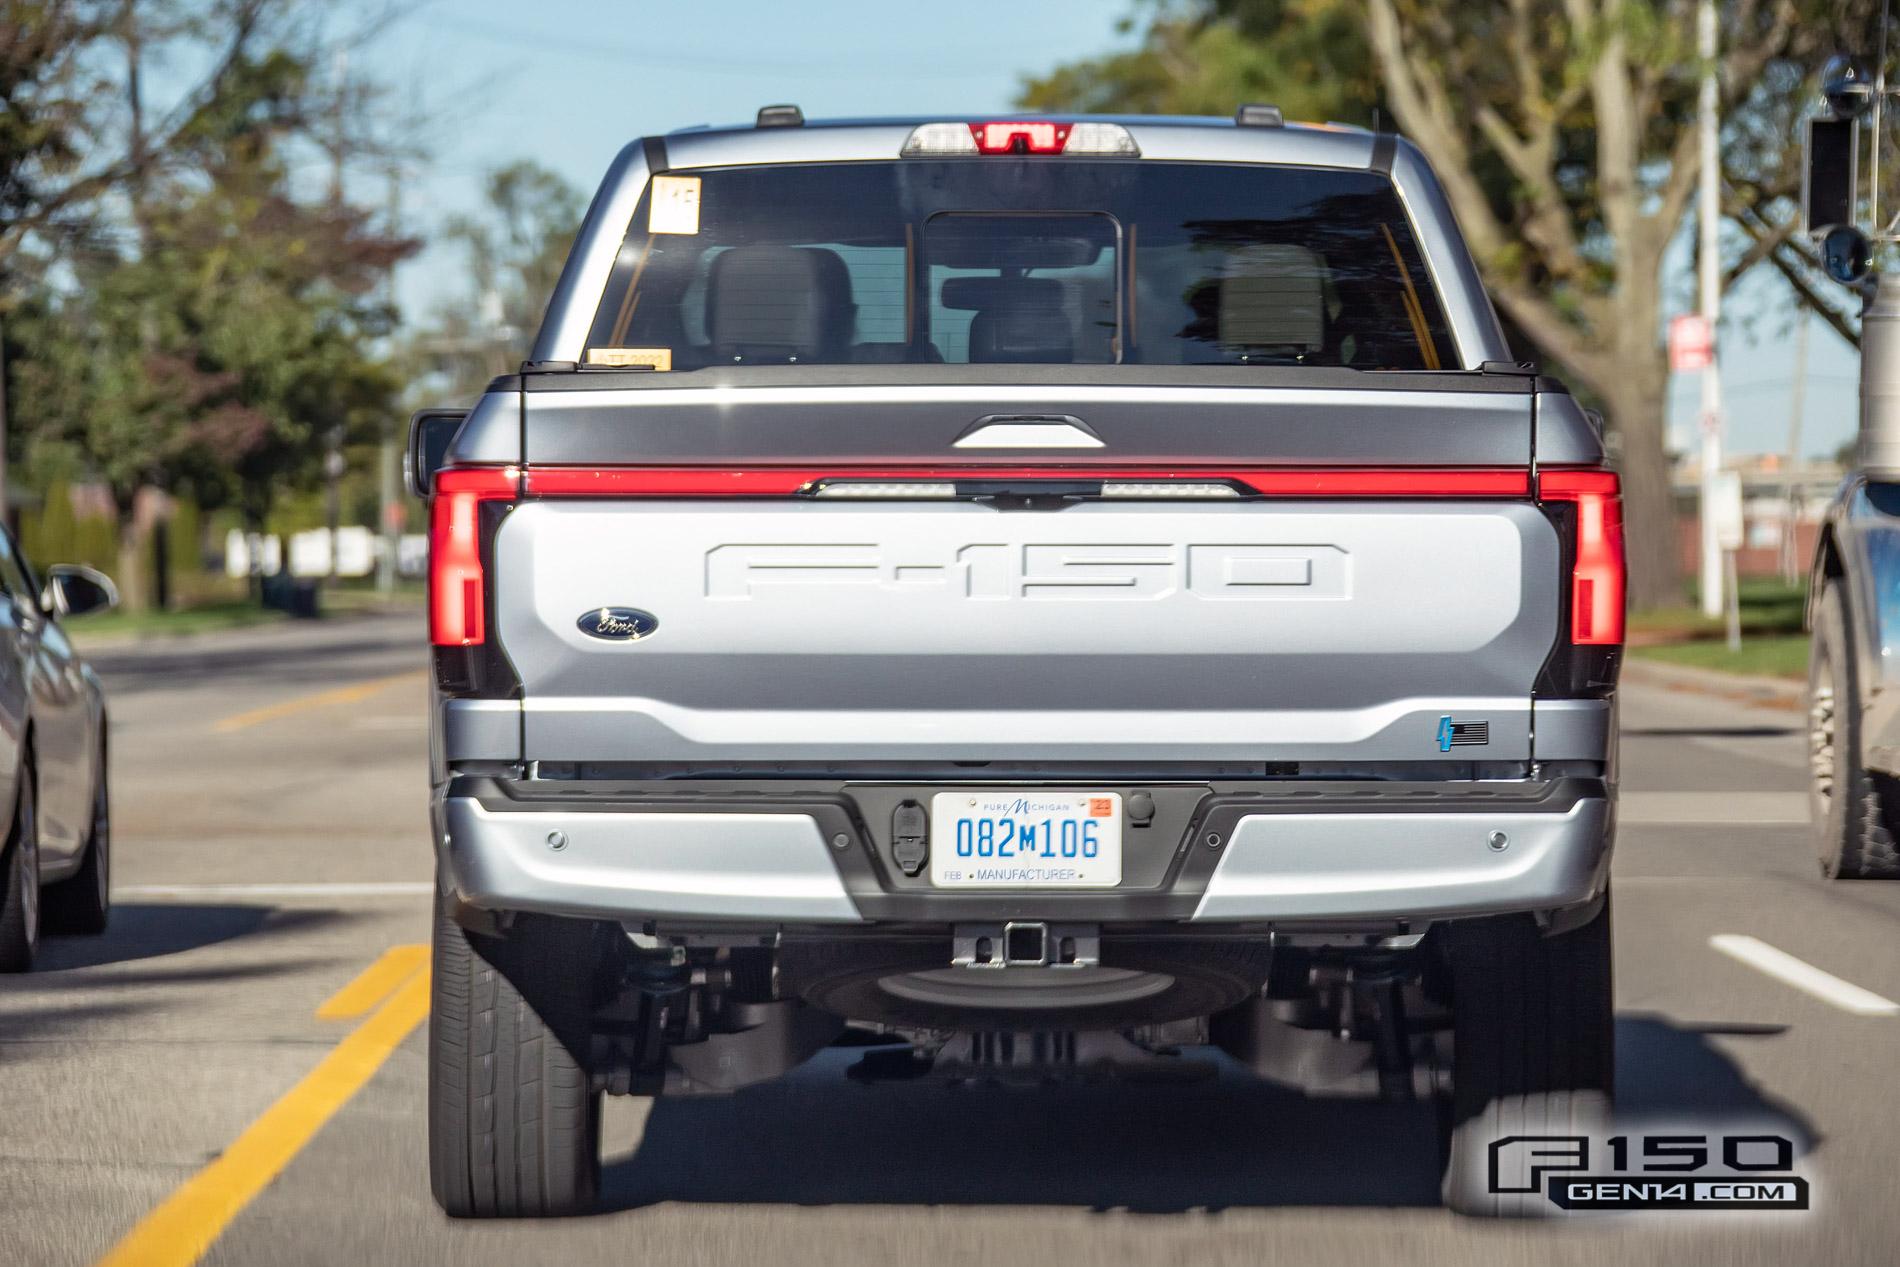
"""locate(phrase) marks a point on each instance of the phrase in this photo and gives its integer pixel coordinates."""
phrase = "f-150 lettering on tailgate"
(1069, 571)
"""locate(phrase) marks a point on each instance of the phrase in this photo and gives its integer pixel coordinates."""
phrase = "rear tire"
(1533, 1047)
(20, 879)
(1849, 802)
(82, 903)
(514, 1121)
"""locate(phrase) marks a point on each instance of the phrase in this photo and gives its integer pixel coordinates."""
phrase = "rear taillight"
(1597, 577)
(1179, 482)
(1586, 507)
(1020, 136)
(458, 605)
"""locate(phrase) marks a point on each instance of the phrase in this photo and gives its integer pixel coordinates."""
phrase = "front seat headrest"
(779, 303)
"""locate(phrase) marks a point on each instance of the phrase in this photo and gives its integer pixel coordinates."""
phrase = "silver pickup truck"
(1017, 598)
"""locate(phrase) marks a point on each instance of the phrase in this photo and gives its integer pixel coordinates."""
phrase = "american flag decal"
(1462, 734)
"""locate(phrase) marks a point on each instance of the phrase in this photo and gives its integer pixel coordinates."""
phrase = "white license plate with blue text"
(1026, 839)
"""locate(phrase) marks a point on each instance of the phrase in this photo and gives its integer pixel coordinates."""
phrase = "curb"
(1743, 688)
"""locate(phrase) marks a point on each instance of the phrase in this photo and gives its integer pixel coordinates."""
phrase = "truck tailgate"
(831, 631)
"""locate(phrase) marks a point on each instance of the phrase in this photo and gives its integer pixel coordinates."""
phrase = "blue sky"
(567, 83)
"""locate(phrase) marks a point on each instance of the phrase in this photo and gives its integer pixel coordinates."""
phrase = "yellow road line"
(179, 1231)
(374, 984)
(322, 699)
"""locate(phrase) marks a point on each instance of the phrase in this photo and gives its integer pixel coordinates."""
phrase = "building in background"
(1781, 509)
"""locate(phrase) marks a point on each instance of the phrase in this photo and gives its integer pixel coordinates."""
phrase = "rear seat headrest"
(1271, 296)
(1019, 320)
(778, 303)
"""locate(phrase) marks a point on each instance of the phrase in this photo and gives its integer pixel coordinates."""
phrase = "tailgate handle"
(1028, 431)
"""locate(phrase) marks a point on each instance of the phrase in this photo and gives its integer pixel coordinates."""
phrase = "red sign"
(1691, 343)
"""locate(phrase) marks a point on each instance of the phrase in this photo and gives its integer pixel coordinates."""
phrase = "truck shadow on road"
(170, 928)
(815, 1138)
(133, 968)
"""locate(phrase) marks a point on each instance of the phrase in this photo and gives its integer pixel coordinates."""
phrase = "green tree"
(1308, 57)
(96, 543)
(1564, 136)
(516, 245)
(184, 539)
(221, 356)
(48, 534)
(75, 125)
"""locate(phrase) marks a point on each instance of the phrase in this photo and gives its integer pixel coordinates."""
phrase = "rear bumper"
(713, 865)
(1321, 866)
(1304, 855)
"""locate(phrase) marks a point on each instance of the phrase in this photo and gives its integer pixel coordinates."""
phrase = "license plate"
(1026, 840)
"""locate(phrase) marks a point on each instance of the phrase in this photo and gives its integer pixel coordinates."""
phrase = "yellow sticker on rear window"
(675, 205)
(659, 358)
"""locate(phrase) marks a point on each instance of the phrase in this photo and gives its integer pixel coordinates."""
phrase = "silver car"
(55, 871)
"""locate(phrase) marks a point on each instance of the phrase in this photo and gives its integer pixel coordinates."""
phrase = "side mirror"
(75, 590)
(430, 433)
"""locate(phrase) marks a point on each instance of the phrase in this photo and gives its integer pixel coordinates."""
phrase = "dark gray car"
(56, 864)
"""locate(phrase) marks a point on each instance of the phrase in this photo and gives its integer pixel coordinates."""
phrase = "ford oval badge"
(618, 624)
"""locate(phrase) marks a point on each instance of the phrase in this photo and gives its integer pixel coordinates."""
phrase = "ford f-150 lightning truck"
(1020, 598)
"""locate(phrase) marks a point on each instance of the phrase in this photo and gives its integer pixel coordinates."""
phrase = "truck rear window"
(1021, 260)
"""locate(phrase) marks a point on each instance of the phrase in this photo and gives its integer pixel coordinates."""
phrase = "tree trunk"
(134, 564)
(1636, 405)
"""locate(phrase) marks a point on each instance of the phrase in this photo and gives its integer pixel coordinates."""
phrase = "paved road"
(252, 766)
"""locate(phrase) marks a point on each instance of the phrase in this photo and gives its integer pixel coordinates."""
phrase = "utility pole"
(334, 464)
(389, 511)
(1880, 319)
(1709, 214)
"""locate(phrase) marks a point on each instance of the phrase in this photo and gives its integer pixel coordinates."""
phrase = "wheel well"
(1827, 566)
(27, 765)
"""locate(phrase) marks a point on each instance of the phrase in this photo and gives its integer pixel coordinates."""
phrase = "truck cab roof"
(1203, 138)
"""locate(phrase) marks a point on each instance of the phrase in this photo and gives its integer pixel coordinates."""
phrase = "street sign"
(1691, 343)
(1726, 509)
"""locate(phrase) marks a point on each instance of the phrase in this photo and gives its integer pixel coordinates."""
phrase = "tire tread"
(1854, 833)
(1534, 1045)
(514, 1120)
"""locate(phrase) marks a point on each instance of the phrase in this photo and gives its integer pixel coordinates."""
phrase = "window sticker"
(660, 359)
(675, 205)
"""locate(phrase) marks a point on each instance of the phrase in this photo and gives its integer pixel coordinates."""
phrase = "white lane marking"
(1694, 809)
(1785, 968)
(393, 888)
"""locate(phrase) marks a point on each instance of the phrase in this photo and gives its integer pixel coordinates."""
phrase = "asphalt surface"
(270, 847)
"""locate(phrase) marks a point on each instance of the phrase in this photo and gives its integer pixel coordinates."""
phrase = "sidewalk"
(1762, 692)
